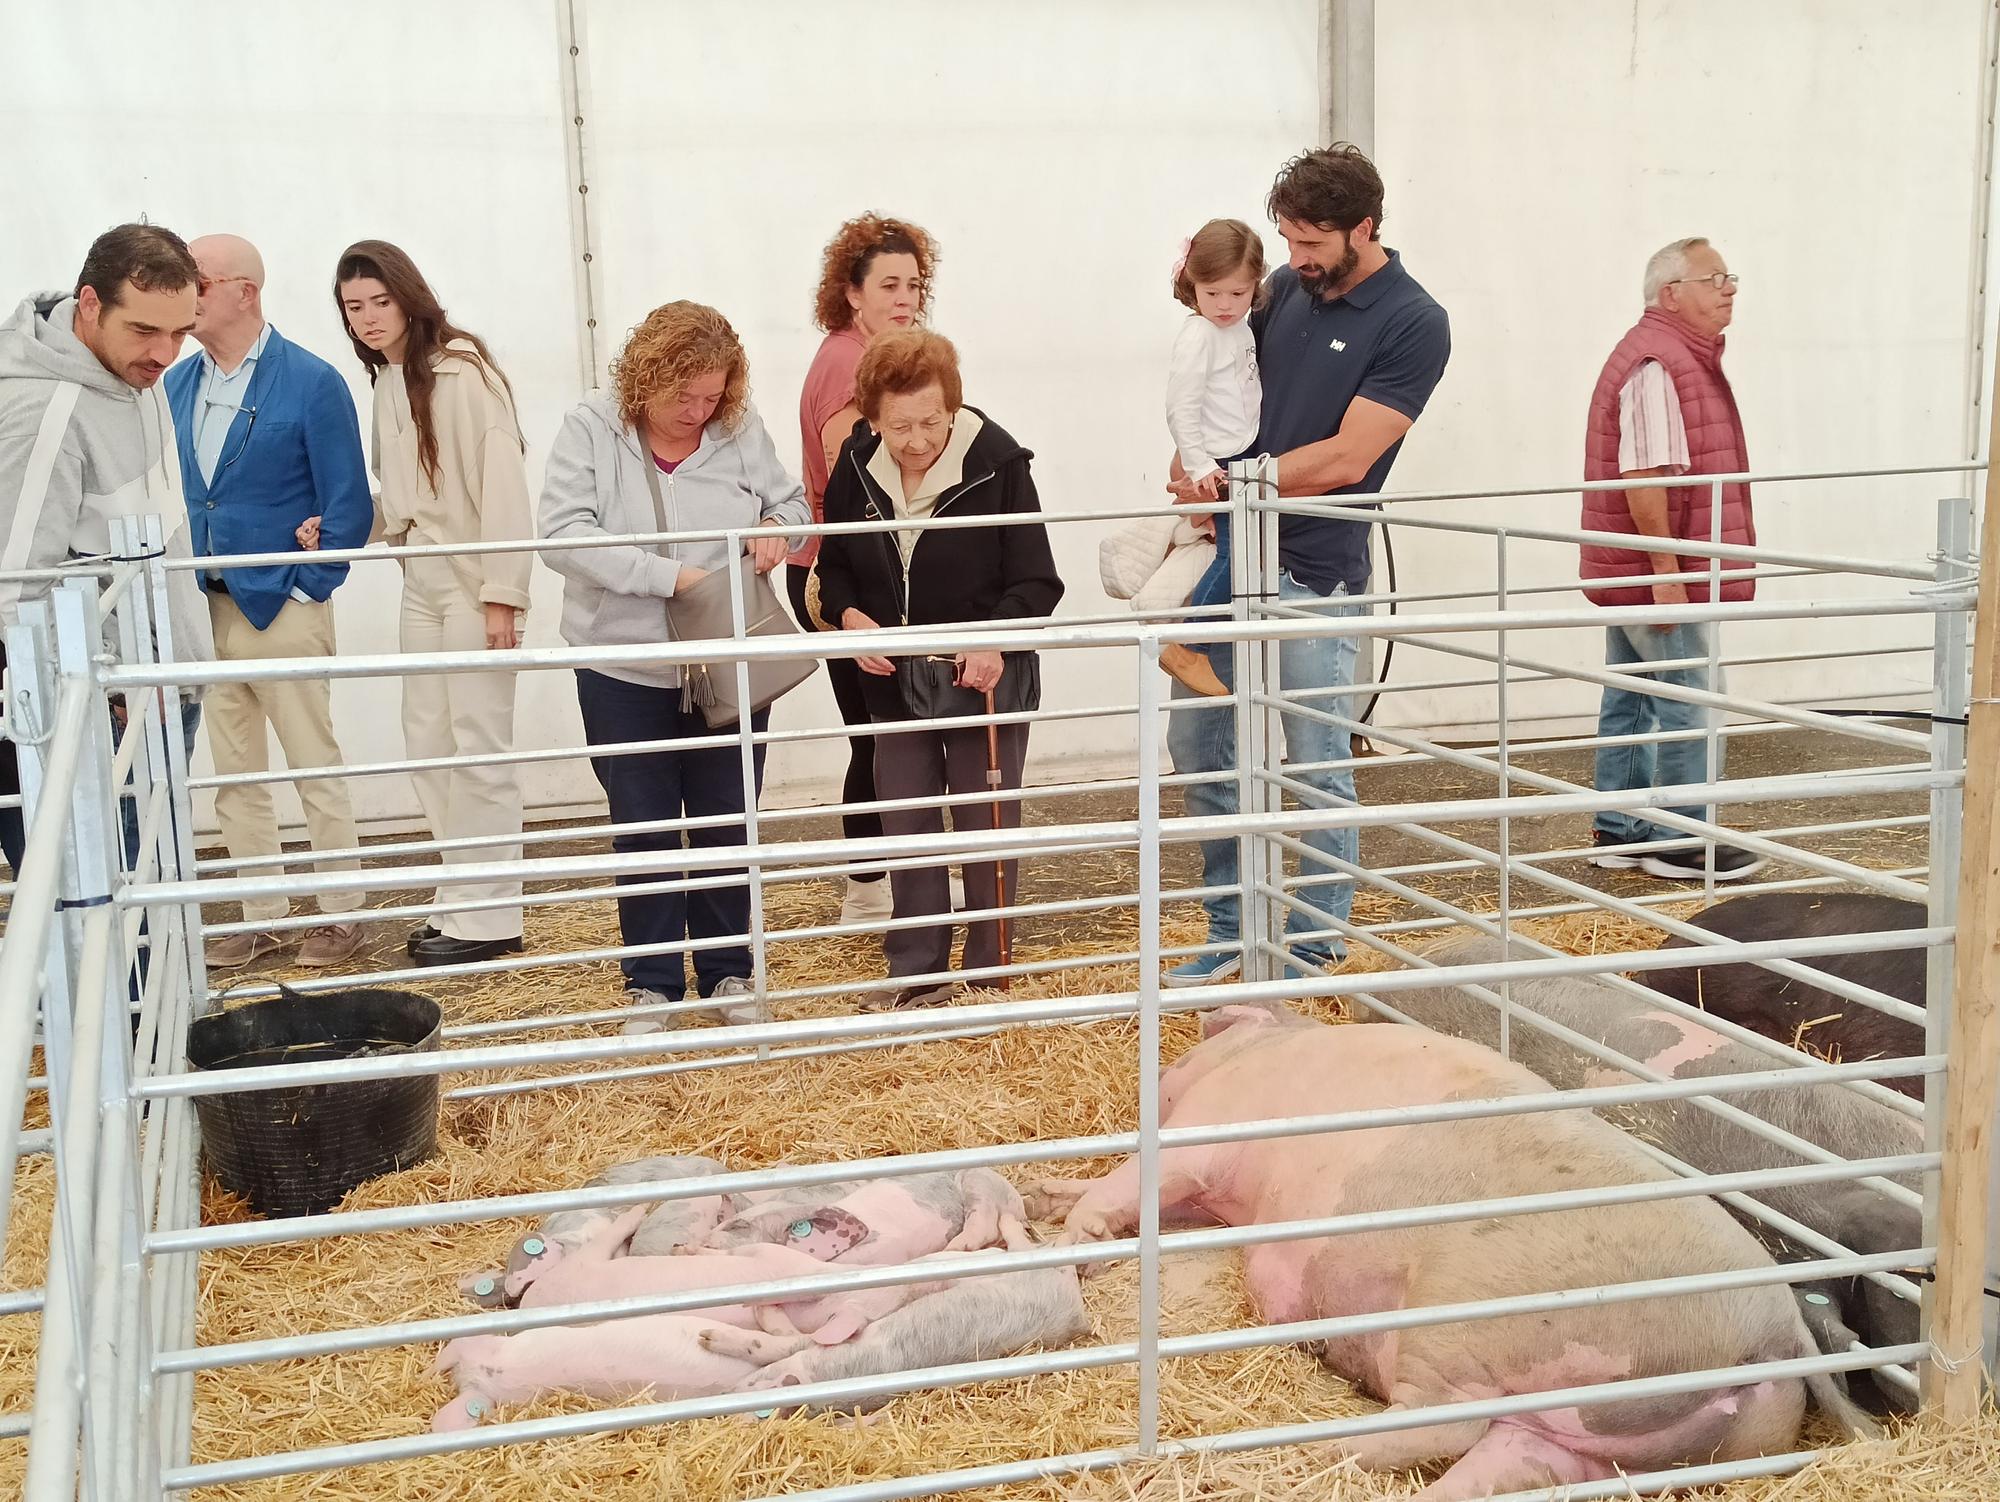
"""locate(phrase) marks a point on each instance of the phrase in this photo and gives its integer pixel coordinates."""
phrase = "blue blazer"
(293, 451)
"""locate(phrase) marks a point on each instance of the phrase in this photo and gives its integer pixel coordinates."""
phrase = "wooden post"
(1952, 1383)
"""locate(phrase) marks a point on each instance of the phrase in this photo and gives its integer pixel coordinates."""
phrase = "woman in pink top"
(874, 276)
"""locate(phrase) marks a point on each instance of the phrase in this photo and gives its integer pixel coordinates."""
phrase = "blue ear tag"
(534, 1246)
(801, 1229)
(765, 1413)
(483, 1287)
(1818, 1298)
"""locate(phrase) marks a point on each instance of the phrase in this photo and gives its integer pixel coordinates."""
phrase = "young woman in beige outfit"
(448, 451)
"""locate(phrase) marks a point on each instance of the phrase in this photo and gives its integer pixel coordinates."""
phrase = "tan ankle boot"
(1192, 668)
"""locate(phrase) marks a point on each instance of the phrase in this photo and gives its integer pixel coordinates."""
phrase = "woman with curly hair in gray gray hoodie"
(680, 408)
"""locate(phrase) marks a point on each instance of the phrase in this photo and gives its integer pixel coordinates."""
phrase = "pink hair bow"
(1180, 261)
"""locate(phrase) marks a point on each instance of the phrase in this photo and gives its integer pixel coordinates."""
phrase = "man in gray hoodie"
(85, 434)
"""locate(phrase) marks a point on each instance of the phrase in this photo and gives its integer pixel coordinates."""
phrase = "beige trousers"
(301, 712)
(461, 714)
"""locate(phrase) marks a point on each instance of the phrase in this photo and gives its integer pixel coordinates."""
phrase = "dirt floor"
(1017, 1085)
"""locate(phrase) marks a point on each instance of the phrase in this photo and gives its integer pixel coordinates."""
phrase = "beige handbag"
(701, 612)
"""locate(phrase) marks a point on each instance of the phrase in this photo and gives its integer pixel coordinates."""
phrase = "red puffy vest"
(1715, 447)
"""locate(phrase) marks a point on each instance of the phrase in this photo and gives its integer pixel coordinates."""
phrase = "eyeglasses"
(211, 404)
(1718, 280)
(203, 283)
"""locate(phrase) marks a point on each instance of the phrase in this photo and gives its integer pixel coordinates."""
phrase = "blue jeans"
(1625, 712)
(1213, 589)
(1204, 740)
(670, 785)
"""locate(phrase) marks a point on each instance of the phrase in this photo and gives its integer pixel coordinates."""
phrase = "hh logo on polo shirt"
(1338, 344)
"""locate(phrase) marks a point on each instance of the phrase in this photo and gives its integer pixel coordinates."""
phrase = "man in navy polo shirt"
(1350, 348)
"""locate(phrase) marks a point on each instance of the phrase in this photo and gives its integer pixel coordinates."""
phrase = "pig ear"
(1224, 1018)
(843, 1326)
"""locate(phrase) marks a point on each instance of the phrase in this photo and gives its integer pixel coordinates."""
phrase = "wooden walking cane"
(999, 864)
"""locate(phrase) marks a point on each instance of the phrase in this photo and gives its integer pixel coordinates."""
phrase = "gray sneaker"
(737, 1003)
(640, 996)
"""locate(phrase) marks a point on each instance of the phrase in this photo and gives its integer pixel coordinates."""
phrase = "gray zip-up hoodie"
(79, 447)
(595, 486)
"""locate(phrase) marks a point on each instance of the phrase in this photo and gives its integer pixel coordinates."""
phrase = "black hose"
(1381, 675)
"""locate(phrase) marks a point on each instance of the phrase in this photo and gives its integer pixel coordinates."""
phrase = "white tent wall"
(1534, 156)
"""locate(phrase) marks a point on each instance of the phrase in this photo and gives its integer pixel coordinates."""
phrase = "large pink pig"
(1257, 1064)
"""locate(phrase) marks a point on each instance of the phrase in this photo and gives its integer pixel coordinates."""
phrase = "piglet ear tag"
(534, 1246)
(801, 1229)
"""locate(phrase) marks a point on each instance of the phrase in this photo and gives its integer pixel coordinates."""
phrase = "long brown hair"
(429, 332)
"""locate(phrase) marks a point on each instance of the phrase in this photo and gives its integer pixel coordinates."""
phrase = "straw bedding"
(1034, 1082)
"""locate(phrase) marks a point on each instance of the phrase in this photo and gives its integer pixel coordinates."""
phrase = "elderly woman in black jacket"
(918, 453)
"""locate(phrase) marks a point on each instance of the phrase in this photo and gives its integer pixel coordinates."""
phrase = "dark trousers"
(928, 764)
(670, 785)
(859, 786)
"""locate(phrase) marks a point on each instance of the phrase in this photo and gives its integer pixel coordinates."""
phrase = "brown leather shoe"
(1192, 668)
(329, 944)
(234, 951)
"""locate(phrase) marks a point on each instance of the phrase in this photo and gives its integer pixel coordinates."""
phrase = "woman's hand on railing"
(766, 553)
(854, 620)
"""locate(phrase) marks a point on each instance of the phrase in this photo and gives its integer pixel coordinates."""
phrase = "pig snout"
(486, 1289)
(463, 1412)
(536, 1257)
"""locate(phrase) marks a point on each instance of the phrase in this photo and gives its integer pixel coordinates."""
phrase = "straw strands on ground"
(1014, 1085)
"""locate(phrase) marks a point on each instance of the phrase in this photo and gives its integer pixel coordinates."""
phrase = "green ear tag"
(474, 1408)
(801, 1229)
(483, 1287)
(1818, 1298)
(534, 1246)
(765, 1413)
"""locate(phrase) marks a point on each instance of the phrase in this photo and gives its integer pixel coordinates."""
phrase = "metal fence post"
(1150, 728)
(61, 1416)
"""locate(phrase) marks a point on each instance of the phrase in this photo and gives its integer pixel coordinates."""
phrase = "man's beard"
(1315, 283)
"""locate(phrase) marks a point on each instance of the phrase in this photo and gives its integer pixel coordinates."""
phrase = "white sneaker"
(639, 996)
(737, 1003)
(867, 901)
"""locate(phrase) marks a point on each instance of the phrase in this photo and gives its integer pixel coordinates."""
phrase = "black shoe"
(1731, 864)
(418, 936)
(442, 949)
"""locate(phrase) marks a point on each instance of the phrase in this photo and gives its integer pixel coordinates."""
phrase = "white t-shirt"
(1213, 393)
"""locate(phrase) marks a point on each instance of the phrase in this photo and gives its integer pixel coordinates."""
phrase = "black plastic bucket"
(297, 1149)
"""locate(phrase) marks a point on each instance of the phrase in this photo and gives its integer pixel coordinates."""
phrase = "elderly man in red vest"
(1663, 413)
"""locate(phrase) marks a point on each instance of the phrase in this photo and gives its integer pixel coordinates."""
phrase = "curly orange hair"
(676, 343)
(848, 255)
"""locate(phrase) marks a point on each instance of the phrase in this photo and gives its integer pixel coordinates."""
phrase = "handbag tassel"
(696, 691)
